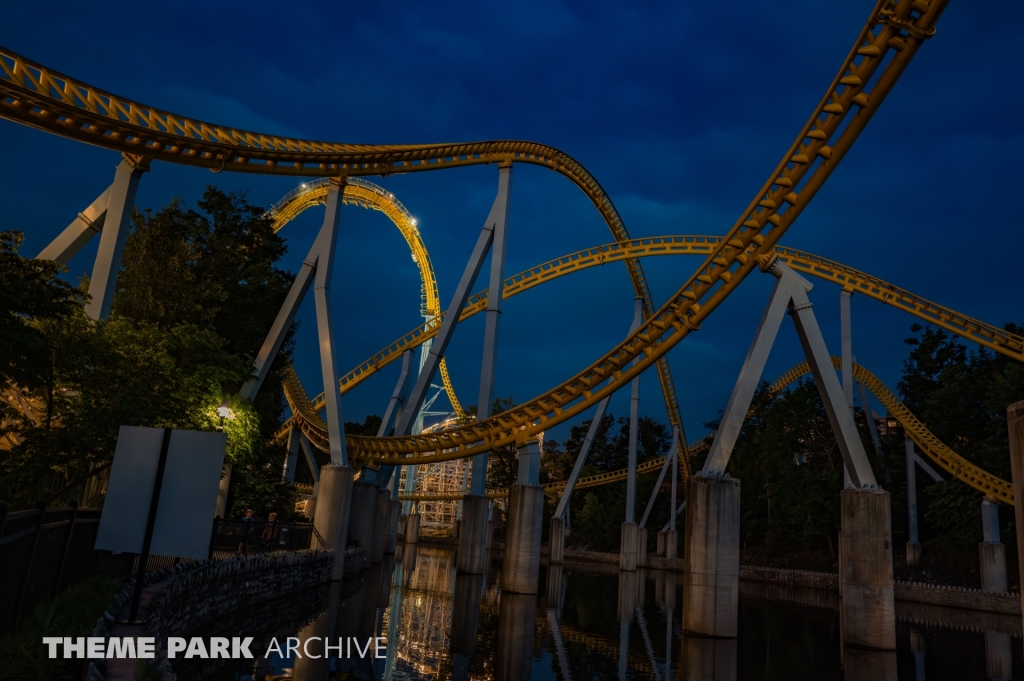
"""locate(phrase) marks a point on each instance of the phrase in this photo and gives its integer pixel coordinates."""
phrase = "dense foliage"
(197, 293)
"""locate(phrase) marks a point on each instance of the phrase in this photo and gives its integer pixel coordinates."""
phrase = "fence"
(45, 550)
(250, 537)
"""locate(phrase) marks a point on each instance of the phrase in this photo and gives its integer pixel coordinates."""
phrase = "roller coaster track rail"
(895, 30)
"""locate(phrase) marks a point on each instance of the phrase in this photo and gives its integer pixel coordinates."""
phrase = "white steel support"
(790, 294)
(117, 220)
(316, 269)
(671, 524)
(634, 421)
(678, 437)
(661, 478)
(394, 411)
(294, 435)
(452, 314)
(495, 291)
(846, 345)
(307, 451)
(88, 224)
(581, 458)
(328, 239)
(876, 441)
(913, 461)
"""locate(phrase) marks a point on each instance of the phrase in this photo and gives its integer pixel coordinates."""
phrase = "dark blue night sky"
(681, 110)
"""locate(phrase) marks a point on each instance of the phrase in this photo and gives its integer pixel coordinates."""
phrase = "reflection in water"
(593, 622)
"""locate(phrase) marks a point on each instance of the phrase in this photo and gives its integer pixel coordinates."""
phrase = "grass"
(72, 613)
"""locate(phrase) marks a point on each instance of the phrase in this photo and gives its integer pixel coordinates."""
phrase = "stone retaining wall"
(189, 595)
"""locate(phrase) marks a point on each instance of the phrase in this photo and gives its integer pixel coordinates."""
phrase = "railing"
(232, 537)
(45, 550)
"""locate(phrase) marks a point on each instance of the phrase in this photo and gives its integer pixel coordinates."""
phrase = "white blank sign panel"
(188, 495)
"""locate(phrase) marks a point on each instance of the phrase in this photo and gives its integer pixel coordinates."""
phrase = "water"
(591, 622)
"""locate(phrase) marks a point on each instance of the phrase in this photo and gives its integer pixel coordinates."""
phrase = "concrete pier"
(363, 519)
(394, 514)
(409, 560)
(641, 547)
(412, 528)
(860, 664)
(913, 553)
(991, 551)
(556, 541)
(708, 659)
(521, 569)
(627, 547)
(868, 610)
(998, 656)
(456, 526)
(380, 527)
(517, 624)
(466, 613)
(555, 587)
(711, 583)
(1015, 426)
(331, 519)
(473, 534)
(671, 544)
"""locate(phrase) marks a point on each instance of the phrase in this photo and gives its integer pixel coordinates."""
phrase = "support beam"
(451, 316)
(82, 229)
(325, 326)
(876, 441)
(678, 437)
(661, 478)
(595, 424)
(307, 450)
(634, 421)
(394, 411)
(495, 292)
(120, 203)
(294, 438)
(846, 345)
(913, 543)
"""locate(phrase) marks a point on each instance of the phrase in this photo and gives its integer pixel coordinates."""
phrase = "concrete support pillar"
(641, 547)
(380, 526)
(332, 513)
(671, 544)
(409, 555)
(998, 656)
(1015, 425)
(660, 549)
(363, 519)
(456, 526)
(861, 664)
(554, 588)
(711, 584)
(521, 570)
(627, 547)
(556, 541)
(469, 591)
(868, 609)
(991, 552)
(472, 556)
(412, 529)
(394, 513)
(708, 659)
(517, 625)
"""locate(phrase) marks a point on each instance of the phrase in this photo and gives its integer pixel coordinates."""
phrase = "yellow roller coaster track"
(36, 96)
(960, 468)
(992, 487)
(371, 196)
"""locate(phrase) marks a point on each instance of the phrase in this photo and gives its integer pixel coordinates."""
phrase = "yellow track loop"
(972, 329)
(368, 195)
(31, 94)
(35, 95)
(994, 488)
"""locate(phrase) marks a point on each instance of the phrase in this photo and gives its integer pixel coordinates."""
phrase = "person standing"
(248, 522)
